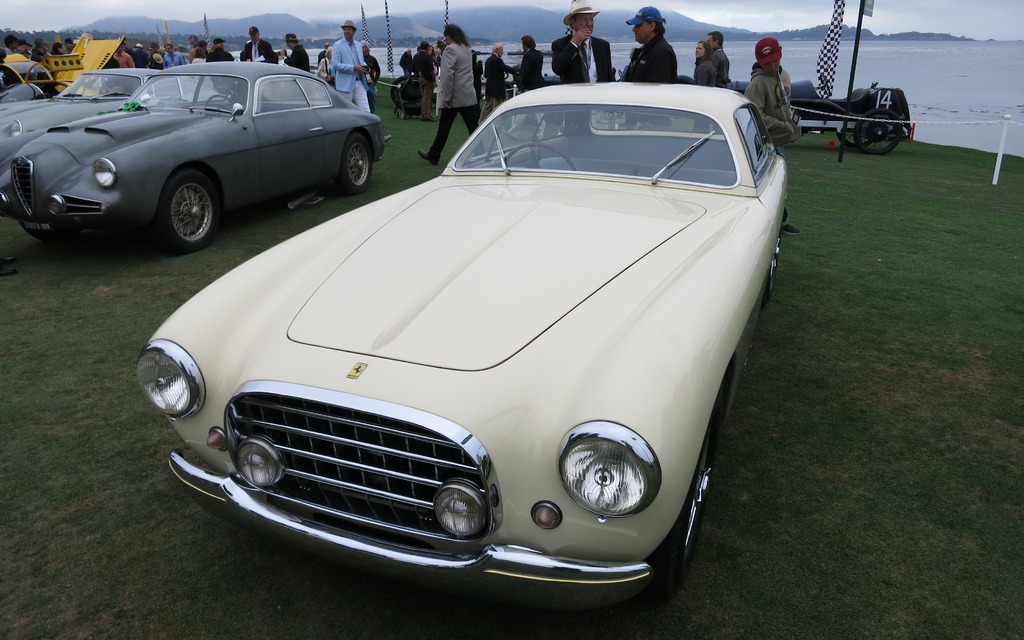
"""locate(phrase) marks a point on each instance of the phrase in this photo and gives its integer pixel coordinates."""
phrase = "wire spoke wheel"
(356, 165)
(189, 212)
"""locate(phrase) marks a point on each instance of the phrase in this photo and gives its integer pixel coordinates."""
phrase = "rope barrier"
(831, 115)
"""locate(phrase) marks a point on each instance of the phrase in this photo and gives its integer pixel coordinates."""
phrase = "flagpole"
(853, 73)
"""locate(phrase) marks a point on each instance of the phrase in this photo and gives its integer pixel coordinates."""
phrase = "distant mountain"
(408, 29)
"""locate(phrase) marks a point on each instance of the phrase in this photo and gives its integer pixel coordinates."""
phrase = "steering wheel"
(541, 145)
(219, 97)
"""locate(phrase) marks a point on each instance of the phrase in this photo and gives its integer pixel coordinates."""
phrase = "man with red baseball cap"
(769, 89)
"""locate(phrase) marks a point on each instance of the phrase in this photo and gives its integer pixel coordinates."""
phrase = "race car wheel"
(400, 113)
(356, 165)
(188, 214)
(876, 137)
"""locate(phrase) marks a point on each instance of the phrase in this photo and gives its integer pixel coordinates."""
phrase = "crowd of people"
(451, 67)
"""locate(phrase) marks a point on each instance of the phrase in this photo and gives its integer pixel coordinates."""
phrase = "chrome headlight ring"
(608, 469)
(171, 378)
(104, 173)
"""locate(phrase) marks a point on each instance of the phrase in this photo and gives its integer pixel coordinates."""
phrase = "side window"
(315, 92)
(279, 94)
(756, 142)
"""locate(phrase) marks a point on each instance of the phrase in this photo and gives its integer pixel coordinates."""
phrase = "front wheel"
(672, 559)
(876, 137)
(188, 214)
(356, 165)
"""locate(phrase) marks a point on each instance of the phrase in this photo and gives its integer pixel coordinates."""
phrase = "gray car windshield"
(192, 92)
(101, 85)
(628, 141)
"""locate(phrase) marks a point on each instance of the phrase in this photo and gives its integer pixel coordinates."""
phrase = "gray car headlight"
(608, 469)
(104, 172)
(170, 378)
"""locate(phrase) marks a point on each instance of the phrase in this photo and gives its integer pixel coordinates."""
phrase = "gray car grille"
(352, 468)
(21, 176)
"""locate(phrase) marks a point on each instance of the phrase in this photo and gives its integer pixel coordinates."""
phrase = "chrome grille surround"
(358, 464)
(21, 176)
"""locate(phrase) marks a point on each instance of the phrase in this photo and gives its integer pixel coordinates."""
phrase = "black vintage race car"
(878, 118)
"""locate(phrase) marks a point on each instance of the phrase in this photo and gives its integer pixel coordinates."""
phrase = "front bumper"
(502, 573)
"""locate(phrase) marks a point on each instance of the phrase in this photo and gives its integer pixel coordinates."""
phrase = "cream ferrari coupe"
(505, 382)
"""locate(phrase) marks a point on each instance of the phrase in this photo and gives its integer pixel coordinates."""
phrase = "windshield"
(94, 85)
(631, 141)
(192, 92)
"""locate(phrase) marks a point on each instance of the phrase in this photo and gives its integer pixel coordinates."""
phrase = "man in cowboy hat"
(349, 68)
(257, 50)
(580, 57)
(298, 59)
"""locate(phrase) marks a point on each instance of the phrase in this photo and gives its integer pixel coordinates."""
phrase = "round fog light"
(546, 515)
(460, 508)
(259, 462)
(56, 205)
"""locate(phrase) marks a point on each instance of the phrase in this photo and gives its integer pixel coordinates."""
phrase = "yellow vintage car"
(506, 382)
(56, 72)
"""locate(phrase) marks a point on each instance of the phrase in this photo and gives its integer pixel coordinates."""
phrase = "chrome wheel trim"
(191, 212)
(358, 164)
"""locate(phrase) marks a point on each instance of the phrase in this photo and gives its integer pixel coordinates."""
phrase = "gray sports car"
(190, 143)
(94, 92)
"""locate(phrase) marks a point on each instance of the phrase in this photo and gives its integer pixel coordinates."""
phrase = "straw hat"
(578, 7)
(349, 24)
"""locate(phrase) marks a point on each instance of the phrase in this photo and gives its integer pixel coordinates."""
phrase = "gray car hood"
(466, 276)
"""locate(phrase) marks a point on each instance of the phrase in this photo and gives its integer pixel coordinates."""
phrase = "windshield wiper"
(501, 152)
(684, 155)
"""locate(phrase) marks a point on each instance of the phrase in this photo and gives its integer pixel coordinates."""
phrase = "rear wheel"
(188, 214)
(876, 137)
(356, 165)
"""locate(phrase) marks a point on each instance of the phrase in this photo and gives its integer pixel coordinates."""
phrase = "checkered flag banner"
(206, 29)
(367, 40)
(446, 13)
(390, 56)
(829, 55)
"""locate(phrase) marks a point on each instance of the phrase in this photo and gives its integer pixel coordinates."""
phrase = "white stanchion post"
(1002, 145)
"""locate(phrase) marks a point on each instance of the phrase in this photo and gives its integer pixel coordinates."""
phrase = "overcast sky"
(978, 19)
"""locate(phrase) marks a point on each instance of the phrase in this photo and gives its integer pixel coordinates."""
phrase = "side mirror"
(236, 110)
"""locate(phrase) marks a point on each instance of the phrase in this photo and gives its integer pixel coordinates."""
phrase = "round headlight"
(460, 508)
(104, 172)
(259, 462)
(170, 378)
(608, 469)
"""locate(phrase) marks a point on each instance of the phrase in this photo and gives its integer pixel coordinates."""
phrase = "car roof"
(248, 70)
(720, 102)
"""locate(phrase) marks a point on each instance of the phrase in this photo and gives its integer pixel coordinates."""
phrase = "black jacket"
(299, 58)
(262, 49)
(567, 63)
(653, 62)
(531, 70)
(423, 66)
(494, 77)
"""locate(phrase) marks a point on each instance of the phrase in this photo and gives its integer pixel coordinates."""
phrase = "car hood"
(467, 275)
(88, 138)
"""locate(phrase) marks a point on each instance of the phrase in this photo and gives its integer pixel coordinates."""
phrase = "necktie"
(585, 54)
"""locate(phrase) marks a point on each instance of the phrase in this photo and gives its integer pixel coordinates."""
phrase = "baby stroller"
(406, 95)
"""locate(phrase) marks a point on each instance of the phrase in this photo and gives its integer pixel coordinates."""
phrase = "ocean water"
(958, 91)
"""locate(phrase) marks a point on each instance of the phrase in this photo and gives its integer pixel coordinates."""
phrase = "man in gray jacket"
(456, 95)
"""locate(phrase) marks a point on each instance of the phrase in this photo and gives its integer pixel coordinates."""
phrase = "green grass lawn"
(869, 477)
